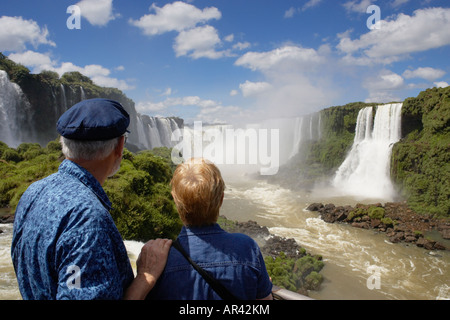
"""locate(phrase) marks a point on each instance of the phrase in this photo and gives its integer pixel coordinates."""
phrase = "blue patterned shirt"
(65, 244)
(232, 258)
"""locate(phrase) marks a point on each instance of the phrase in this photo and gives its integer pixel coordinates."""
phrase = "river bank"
(395, 219)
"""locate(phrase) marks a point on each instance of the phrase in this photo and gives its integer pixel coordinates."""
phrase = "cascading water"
(153, 132)
(14, 112)
(18, 118)
(366, 170)
(306, 128)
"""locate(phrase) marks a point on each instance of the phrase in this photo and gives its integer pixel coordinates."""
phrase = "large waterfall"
(260, 147)
(15, 112)
(32, 116)
(366, 170)
(153, 132)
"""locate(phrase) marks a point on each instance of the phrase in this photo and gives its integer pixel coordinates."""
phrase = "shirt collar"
(209, 229)
(71, 168)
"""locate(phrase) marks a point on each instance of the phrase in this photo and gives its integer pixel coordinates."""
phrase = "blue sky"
(237, 61)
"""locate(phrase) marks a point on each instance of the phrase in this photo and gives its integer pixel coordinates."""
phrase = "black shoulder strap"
(216, 285)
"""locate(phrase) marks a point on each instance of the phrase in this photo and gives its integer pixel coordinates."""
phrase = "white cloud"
(177, 16)
(234, 93)
(295, 80)
(192, 40)
(360, 7)
(97, 12)
(308, 5)
(16, 33)
(429, 74)
(36, 60)
(441, 84)
(290, 12)
(39, 62)
(398, 3)
(382, 87)
(210, 111)
(311, 4)
(396, 39)
(290, 56)
(149, 106)
(200, 42)
(252, 88)
(241, 45)
(229, 38)
(222, 114)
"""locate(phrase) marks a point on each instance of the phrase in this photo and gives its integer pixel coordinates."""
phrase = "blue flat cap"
(94, 119)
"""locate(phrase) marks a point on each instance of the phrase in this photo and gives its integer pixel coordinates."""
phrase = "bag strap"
(216, 285)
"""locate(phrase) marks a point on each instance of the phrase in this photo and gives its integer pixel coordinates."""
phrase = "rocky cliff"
(40, 99)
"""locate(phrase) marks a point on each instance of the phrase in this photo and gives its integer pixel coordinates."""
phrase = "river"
(359, 264)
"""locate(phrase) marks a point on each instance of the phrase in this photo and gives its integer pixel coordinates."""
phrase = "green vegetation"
(295, 274)
(139, 192)
(421, 161)
(24, 165)
(21, 75)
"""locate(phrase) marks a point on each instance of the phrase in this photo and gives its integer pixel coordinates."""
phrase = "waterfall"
(366, 170)
(153, 132)
(82, 94)
(15, 112)
(19, 120)
(306, 128)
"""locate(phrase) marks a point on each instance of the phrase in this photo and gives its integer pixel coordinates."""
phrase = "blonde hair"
(198, 189)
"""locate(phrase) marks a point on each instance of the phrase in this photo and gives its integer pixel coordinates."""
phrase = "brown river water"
(359, 264)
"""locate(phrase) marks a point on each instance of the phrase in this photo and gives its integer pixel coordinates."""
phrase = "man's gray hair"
(88, 150)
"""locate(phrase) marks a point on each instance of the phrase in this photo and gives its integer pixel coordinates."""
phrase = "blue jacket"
(232, 258)
(65, 244)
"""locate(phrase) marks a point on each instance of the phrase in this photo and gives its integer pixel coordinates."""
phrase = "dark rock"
(363, 225)
(410, 239)
(375, 223)
(406, 225)
(397, 237)
(276, 244)
(439, 246)
(425, 243)
(7, 219)
(444, 230)
(314, 207)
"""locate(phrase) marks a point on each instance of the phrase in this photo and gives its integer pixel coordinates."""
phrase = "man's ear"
(120, 146)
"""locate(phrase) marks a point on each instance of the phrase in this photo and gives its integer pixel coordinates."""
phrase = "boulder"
(314, 207)
(7, 219)
(444, 230)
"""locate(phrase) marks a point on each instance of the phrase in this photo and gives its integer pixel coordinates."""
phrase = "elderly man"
(65, 244)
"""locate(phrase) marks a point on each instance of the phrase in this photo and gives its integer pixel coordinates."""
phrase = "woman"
(233, 259)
